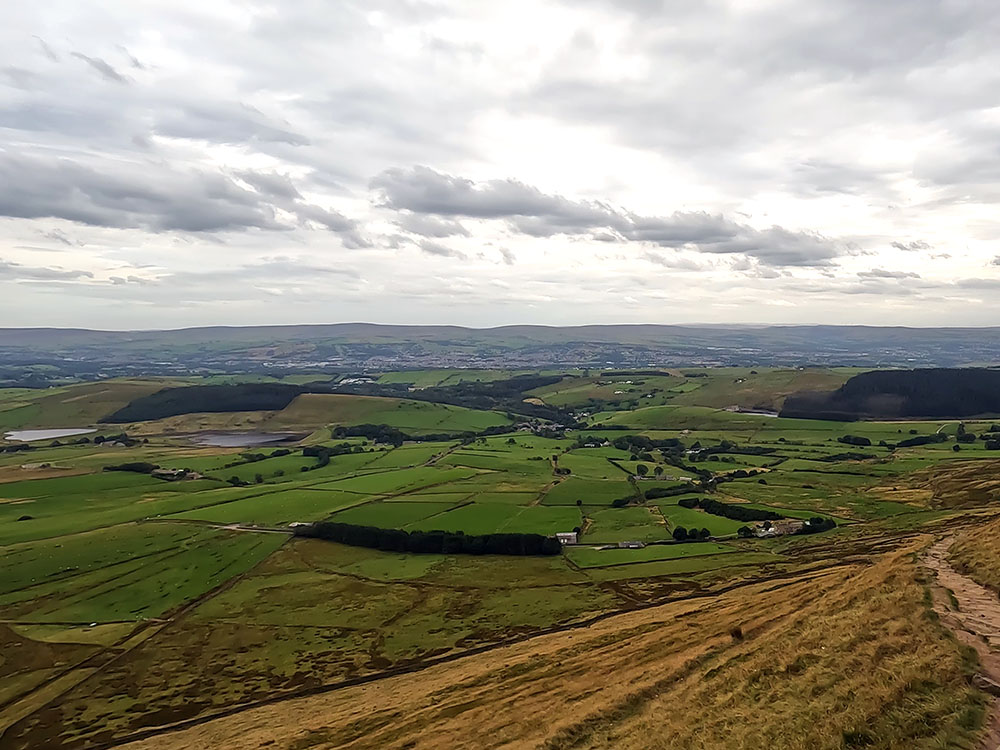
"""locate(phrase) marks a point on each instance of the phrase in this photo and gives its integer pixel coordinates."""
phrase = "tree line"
(731, 511)
(931, 392)
(438, 542)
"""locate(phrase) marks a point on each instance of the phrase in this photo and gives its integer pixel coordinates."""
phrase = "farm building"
(778, 528)
(175, 474)
(567, 537)
(631, 545)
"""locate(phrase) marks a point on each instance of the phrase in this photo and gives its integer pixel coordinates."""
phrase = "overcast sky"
(167, 163)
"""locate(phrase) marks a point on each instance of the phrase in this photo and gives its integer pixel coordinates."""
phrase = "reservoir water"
(242, 439)
(26, 436)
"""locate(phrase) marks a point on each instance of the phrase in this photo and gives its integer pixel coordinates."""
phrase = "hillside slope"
(889, 394)
(845, 658)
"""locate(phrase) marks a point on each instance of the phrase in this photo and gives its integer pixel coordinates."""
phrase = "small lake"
(243, 439)
(26, 436)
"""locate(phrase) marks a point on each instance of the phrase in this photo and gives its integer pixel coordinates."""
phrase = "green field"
(413, 417)
(590, 557)
(195, 595)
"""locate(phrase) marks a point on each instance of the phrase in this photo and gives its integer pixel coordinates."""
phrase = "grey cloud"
(222, 122)
(529, 211)
(133, 60)
(125, 195)
(430, 226)
(16, 271)
(881, 273)
(678, 262)
(348, 229)
(912, 246)
(270, 183)
(19, 77)
(276, 269)
(123, 280)
(57, 235)
(436, 248)
(47, 50)
(102, 67)
(153, 197)
(508, 257)
(995, 261)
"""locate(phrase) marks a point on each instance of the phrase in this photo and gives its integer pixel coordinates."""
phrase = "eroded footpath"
(972, 613)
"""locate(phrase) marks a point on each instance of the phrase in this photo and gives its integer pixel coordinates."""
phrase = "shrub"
(854, 440)
(138, 467)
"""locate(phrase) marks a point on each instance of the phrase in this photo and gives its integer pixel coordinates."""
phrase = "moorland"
(366, 576)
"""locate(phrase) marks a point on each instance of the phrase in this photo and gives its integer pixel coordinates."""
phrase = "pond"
(243, 439)
(26, 436)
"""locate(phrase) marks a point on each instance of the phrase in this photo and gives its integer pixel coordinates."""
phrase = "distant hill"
(903, 393)
(354, 346)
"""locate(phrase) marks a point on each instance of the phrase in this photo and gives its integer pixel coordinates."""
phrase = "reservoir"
(27, 436)
(243, 439)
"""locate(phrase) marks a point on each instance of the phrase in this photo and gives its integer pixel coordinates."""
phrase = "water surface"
(242, 439)
(26, 436)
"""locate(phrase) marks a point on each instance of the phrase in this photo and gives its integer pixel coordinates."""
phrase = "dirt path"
(972, 613)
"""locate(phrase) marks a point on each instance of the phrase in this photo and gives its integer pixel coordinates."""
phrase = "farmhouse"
(567, 537)
(172, 475)
(778, 528)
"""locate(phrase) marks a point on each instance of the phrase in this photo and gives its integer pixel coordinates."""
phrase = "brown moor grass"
(850, 657)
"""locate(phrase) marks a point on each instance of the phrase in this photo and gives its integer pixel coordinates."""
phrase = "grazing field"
(148, 580)
(74, 406)
(588, 491)
(590, 557)
(416, 417)
(859, 665)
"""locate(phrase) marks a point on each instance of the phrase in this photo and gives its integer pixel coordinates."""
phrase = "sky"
(170, 163)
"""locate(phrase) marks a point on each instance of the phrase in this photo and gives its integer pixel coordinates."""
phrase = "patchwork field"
(132, 601)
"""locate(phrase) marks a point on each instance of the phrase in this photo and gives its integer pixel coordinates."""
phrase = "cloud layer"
(187, 163)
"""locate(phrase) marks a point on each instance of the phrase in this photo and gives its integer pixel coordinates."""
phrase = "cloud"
(18, 272)
(270, 270)
(133, 60)
(529, 211)
(732, 159)
(429, 226)
(129, 195)
(270, 183)
(102, 67)
(46, 49)
(914, 246)
(156, 198)
(221, 122)
(436, 248)
(881, 273)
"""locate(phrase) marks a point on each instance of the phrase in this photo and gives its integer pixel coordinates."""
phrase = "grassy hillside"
(976, 552)
(415, 417)
(73, 406)
(848, 659)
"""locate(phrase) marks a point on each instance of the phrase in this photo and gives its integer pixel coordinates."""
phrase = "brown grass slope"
(976, 553)
(842, 659)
